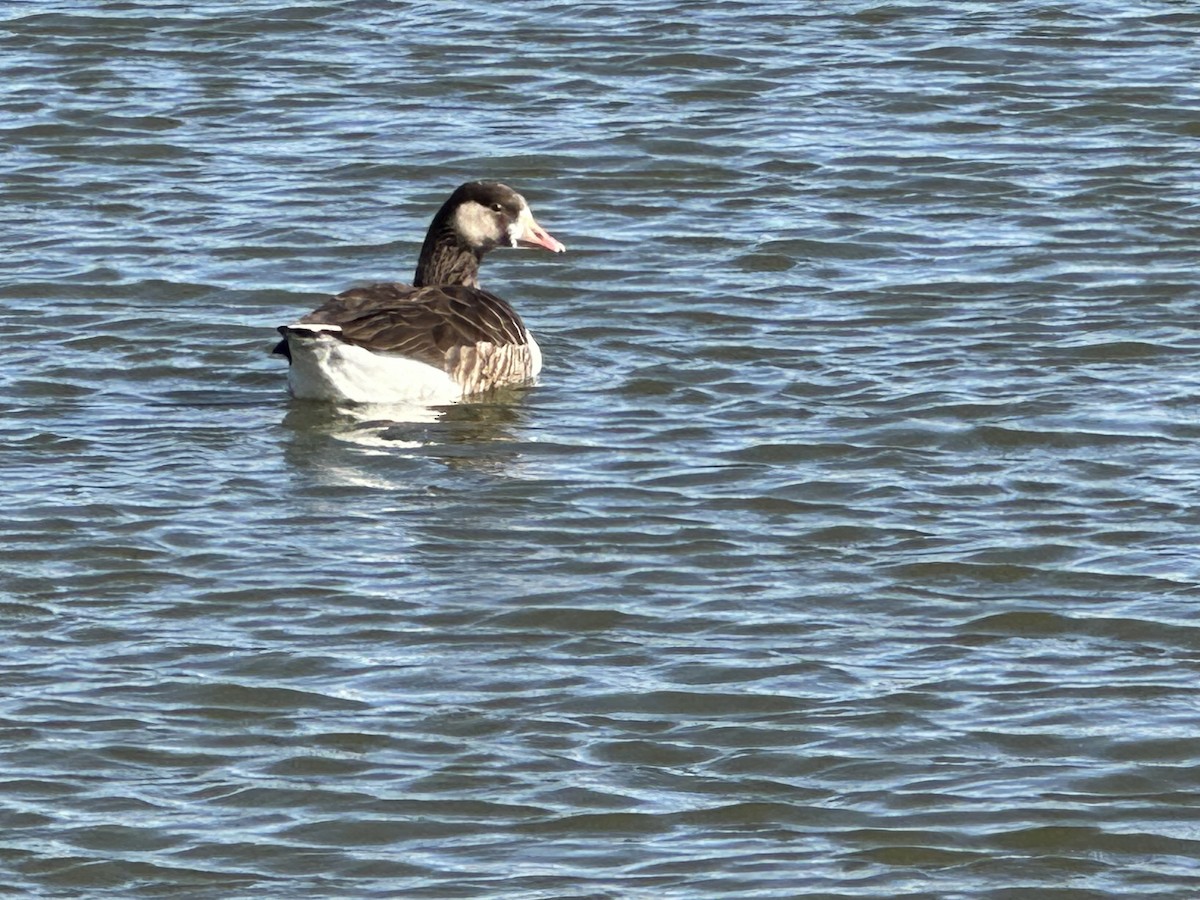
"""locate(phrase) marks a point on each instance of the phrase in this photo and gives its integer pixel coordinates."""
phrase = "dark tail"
(282, 348)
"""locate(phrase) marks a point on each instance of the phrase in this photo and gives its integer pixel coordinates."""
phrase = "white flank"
(535, 354)
(324, 368)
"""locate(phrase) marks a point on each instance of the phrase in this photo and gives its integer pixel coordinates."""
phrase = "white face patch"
(477, 225)
(526, 232)
(518, 230)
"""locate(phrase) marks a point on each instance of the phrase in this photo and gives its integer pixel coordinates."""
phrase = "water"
(847, 547)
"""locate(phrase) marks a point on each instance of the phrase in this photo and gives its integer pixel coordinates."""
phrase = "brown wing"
(431, 324)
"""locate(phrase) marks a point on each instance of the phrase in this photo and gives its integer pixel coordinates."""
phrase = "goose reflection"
(379, 445)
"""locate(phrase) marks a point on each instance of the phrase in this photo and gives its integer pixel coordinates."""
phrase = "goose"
(434, 342)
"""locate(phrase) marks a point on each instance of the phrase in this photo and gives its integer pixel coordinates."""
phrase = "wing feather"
(437, 325)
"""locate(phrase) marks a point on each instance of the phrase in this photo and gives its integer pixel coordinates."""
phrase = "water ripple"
(844, 549)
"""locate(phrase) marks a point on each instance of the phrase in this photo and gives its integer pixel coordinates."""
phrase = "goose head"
(487, 214)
